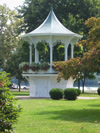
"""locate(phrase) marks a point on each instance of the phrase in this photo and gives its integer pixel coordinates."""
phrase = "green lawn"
(26, 93)
(90, 95)
(21, 93)
(62, 116)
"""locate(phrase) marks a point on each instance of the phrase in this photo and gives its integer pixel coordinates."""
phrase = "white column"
(51, 53)
(66, 52)
(36, 55)
(72, 51)
(30, 47)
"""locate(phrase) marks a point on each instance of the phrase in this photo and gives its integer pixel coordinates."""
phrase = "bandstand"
(51, 31)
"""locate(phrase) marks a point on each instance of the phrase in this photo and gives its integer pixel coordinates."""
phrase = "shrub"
(98, 91)
(78, 92)
(9, 111)
(56, 93)
(70, 94)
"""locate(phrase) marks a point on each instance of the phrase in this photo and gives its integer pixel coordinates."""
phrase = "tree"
(9, 31)
(93, 44)
(94, 33)
(75, 68)
(9, 111)
(93, 39)
(12, 64)
(93, 59)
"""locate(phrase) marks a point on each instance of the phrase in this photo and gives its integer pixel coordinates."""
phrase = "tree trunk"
(19, 84)
(79, 84)
(83, 83)
(83, 87)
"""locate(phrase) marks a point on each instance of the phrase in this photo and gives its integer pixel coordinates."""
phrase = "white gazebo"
(51, 31)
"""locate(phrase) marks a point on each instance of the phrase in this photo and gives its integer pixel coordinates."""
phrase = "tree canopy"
(9, 31)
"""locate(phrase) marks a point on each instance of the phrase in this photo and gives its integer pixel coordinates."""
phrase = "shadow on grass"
(94, 105)
(77, 115)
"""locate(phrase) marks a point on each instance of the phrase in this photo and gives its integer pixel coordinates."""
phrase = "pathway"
(28, 97)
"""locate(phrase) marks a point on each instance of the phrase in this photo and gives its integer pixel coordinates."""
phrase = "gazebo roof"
(51, 26)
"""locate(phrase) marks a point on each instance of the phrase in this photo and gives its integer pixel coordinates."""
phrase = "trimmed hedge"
(70, 94)
(56, 93)
(98, 91)
(78, 92)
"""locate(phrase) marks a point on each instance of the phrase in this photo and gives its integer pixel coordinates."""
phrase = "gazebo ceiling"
(51, 26)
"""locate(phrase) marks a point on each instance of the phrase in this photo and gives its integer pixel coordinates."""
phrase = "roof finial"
(51, 7)
(52, 2)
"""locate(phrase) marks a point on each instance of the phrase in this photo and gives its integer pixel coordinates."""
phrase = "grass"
(59, 116)
(26, 93)
(21, 93)
(89, 95)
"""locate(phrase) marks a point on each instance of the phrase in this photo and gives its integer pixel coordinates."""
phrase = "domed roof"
(51, 26)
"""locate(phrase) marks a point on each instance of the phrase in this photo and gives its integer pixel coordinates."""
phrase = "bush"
(78, 92)
(56, 93)
(98, 91)
(70, 94)
(8, 109)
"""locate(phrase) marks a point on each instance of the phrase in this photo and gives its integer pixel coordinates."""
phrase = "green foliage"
(58, 51)
(98, 91)
(76, 68)
(61, 50)
(94, 32)
(20, 55)
(78, 92)
(41, 47)
(12, 67)
(9, 111)
(9, 25)
(24, 66)
(78, 51)
(56, 93)
(23, 51)
(35, 66)
(44, 53)
(70, 94)
(44, 65)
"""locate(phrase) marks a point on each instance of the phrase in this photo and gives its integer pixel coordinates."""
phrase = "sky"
(12, 3)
